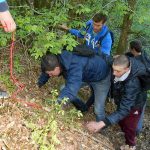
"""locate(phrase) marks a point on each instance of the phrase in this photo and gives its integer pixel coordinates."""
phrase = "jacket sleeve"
(3, 6)
(42, 79)
(78, 33)
(106, 44)
(73, 81)
(131, 93)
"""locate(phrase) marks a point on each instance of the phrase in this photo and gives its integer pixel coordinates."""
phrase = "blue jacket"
(3, 6)
(92, 39)
(128, 94)
(78, 69)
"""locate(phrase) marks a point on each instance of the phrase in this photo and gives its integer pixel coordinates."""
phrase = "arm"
(106, 44)
(6, 18)
(43, 79)
(73, 81)
(72, 31)
(132, 91)
(76, 32)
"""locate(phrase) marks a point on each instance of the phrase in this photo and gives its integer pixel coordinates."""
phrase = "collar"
(123, 77)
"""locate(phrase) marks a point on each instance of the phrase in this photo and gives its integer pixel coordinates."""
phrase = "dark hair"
(137, 45)
(121, 60)
(49, 62)
(100, 17)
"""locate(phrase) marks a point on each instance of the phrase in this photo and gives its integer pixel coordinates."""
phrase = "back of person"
(89, 68)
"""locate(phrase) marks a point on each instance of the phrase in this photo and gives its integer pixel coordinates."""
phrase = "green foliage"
(5, 79)
(46, 135)
(42, 26)
(141, 18)
(43, 30)
(50, 42)
(4, 38)
(82, 9)
(17, 65)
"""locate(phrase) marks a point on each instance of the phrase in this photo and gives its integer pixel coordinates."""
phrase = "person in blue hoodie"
(128, 96)
(95, 30)
(76, 70)
(9, 25)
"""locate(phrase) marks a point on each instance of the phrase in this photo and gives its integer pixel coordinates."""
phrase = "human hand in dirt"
(7, 21)
(94, 126)
(64, 27)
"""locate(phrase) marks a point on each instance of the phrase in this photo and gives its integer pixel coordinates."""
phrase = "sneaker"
(3, 94)
(127, 147)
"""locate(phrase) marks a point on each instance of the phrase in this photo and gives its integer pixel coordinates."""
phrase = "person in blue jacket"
(95, 30)
(128, 96)
(76, 70)
(9, 25)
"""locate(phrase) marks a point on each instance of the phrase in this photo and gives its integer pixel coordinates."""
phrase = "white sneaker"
(127, 147)
(3, 94)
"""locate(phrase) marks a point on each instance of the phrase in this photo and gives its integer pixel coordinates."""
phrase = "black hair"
(100, 17)
(49, 62)
(137, 45)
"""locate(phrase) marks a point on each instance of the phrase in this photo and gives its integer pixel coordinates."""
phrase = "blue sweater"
(92, 39)
(3, 6)
(78, 69)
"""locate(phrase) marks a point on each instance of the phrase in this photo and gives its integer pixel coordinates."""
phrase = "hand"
(94, 126)
(7, 21)
(64, 27)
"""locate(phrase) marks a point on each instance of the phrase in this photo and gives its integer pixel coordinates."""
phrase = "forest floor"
(15, 133)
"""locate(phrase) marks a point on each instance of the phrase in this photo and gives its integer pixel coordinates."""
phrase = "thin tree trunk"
(126, 27)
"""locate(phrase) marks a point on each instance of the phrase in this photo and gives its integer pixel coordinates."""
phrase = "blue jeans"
(100, 91)
(140, 123)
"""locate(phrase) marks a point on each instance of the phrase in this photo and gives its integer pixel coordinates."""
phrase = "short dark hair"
(100, 17)
(49, 62)
(137, 45)
(121, 60)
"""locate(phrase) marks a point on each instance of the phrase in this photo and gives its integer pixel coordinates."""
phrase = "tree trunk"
(126, 27)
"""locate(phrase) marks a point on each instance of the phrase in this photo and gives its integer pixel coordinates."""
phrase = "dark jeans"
(129, 125)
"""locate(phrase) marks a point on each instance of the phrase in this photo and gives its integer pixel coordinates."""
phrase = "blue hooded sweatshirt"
(92, 38)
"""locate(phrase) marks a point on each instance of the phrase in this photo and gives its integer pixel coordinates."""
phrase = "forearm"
(76, 33)
(115, 117)
(43, 79)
